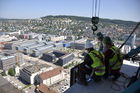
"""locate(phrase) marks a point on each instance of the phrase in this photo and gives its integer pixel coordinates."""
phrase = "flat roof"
(107, 86)
(36, 68)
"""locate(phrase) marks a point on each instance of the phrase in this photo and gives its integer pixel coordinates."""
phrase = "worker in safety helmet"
(113, 59)
(100, 39)
(93, 65)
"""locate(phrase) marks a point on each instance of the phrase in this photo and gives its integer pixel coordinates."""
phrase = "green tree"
(11, 72)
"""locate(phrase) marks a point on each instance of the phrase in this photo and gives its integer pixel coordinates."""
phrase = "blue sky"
(113, 9)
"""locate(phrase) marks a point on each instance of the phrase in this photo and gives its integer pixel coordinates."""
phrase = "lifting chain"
(95, 14)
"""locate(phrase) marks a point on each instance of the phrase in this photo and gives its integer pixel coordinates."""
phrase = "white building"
(57, 38)
(51, 77)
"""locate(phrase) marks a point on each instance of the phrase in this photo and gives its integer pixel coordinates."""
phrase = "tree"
(11, 72)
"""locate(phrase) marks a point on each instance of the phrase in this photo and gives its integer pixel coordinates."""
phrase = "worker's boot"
(82, 82)
(82, 79)
(97, 79)
(116, 77)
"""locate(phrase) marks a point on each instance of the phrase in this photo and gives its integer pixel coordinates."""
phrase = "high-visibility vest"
(98, 64)
(115, 62)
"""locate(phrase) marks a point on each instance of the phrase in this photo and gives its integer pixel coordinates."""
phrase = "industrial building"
(59, 53)
(58, 57)
(65, 59)
(38, 52)
(7, 62)
(67, 44)
(50, 57)
(21, 47)
(29, 73)
(51, 77)
(28, 49)
(18, 45)
(79, 46)
(58, 45)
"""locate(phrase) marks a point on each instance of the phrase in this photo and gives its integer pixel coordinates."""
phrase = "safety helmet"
(107, 40)
(100, 35)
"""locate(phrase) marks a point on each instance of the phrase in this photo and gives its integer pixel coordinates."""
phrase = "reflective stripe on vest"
(98, 65)
(114, 62)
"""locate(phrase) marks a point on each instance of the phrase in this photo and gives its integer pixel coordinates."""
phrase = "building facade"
(51, 77)
(7, 62)
(29, 73)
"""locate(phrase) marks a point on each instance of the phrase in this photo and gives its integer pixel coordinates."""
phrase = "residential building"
(7, 62)
(51, 77)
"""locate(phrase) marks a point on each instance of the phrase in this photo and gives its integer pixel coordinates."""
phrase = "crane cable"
(95, 14)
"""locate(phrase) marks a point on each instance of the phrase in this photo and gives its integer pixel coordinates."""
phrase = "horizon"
(66, 15)
(126, 10)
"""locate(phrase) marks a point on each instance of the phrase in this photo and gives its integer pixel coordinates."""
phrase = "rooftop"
(50, 73)
(107, 86)
(45, 89)
(36, 68)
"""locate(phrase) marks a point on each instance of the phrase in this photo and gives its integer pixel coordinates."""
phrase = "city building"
(58, 57)
(58, 45)
(18, 55)
(51, 77)
(28, 49)
(38, 52)
(65, 59)
(7, 62)
(8, 46)
(18, 45)
(49, 57)
(57, 38)
(59, 53)
(6, 38)
(21, 47)
(29, 73)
